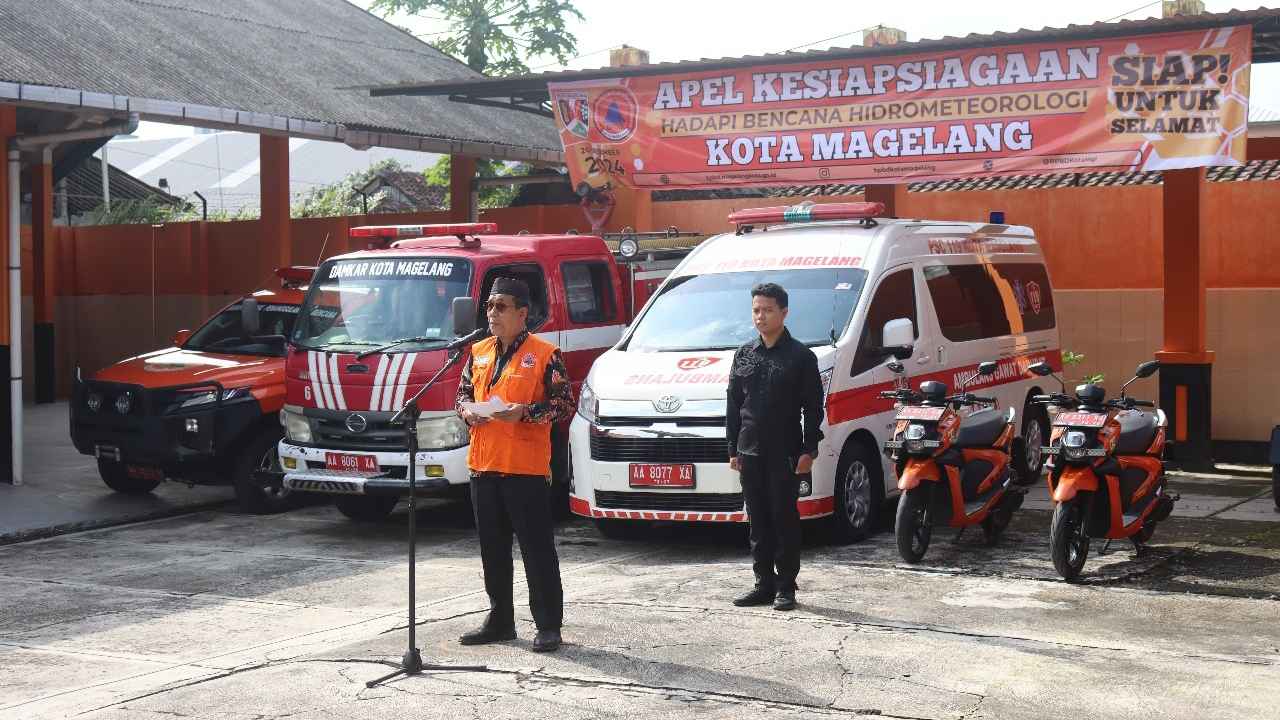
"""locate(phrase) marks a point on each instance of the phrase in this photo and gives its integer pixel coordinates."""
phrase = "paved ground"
(63, 493)
(227, 616)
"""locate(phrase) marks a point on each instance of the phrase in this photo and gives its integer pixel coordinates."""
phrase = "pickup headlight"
(296, 427)
(442, 433)
(588, 404)
(209, 396)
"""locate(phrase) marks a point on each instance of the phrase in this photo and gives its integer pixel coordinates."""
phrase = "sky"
(691, 29)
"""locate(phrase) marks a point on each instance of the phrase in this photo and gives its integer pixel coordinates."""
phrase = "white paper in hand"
(494, 404)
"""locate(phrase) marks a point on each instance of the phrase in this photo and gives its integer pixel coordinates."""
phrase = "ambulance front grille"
(659, 450)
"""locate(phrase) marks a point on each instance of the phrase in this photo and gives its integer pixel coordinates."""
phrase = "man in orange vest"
(510, 462)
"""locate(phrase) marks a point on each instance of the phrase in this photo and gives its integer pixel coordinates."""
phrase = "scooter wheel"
(1144, 534)
(994, 525)
(1068, 540)
(911, 527)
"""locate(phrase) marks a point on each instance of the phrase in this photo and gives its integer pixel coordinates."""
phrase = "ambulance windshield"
(713, 312)
(370, 302)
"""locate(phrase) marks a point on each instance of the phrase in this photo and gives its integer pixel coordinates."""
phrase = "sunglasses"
(498, 306)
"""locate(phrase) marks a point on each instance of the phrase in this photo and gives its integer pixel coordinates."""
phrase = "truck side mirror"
(898, 338)
(1147, 369)
(250, 317)
(180, 338)
(988, 368)
(464, 316)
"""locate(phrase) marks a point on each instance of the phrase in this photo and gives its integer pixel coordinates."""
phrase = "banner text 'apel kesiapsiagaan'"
(1139, 103)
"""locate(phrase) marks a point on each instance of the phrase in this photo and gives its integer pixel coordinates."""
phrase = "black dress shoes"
(757, 596)
(546, 641)
(488, 633)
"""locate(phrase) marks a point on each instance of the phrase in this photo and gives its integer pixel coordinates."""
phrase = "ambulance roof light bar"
(806, 212)
(384, 235)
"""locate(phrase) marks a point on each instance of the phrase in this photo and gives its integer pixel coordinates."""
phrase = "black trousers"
(518, 503)
(771, 488)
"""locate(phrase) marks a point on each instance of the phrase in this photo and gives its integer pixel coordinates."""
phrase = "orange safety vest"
(518, 448)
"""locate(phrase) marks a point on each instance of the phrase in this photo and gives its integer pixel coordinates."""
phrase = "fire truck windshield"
(713, 312)
(371, 302)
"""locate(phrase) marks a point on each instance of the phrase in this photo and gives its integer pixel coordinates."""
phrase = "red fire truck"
(375, 326)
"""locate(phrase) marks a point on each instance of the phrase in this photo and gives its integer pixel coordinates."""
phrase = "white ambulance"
(648, 441)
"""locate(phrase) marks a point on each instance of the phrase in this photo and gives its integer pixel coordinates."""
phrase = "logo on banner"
(697, 363)
(575, 112)
(616, 114)
(1033, 296)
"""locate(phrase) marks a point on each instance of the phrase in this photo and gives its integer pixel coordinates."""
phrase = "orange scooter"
(952, 470)
(1106, 474)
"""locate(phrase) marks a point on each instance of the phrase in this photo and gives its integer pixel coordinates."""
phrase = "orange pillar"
(277, 245)
(8, 128)
(893, 197)
(44, 278)
(1186, 362)
(462, 170)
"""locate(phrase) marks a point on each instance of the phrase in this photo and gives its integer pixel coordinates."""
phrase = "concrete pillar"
(462, 206)
(44, 278)
(1186, 363)
(277, 245)
(893, 197)
(8, 128)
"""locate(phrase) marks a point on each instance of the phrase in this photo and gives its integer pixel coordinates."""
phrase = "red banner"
(1140, 103)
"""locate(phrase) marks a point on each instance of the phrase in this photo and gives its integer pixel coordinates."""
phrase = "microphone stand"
(411, 663)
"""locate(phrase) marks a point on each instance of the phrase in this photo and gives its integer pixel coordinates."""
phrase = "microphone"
(474, 335)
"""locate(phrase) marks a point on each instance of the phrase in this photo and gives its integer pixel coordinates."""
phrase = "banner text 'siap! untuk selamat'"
(1148, 102)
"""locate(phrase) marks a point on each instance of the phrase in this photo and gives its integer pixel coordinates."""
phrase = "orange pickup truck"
(204, 411)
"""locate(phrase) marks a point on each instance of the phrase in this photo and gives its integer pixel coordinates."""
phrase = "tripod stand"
(411, 663)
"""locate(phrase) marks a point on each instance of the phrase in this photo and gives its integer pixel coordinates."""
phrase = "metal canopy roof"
(529, 92)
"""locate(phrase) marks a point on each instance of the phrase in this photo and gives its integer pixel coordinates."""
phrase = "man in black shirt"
(773, 380)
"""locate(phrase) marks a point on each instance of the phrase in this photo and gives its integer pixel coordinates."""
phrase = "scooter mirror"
(1147, 369)
(988, 368)
(1042, 369)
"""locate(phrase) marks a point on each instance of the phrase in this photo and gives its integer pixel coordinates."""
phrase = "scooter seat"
(981, 429)
(1137, 431)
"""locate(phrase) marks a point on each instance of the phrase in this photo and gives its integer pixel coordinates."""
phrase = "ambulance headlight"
(94, 402)
(442, 433)
(296, 427)
(588, 404)
(124, 403)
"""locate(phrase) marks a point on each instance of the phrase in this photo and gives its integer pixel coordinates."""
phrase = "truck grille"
(332, 432)
(697, 502)
(664, 450)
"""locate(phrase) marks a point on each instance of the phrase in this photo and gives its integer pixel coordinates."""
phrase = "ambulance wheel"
(265, 495)
(621, 529)
(1028, 459)
(116, 476)
(859, 495)
(363, 508)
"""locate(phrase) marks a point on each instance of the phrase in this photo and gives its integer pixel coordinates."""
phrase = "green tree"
(490, 197)
(341, 198)
(495, 37)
